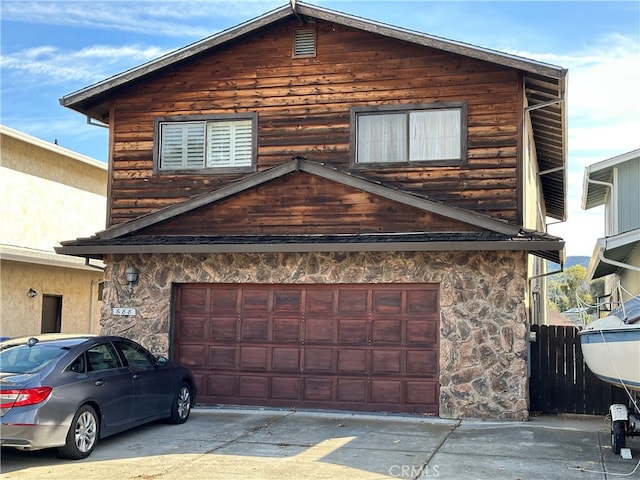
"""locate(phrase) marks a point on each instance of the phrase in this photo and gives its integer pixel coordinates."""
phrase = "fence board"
(561, 381)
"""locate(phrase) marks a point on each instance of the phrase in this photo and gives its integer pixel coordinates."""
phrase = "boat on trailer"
(611, 350)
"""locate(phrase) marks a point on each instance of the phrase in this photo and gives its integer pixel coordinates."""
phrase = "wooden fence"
(560, 380)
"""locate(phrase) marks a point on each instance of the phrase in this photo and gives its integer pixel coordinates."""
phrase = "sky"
(51, 48)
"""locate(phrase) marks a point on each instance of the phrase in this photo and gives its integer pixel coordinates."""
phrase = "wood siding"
(303, 107)
(272, 209)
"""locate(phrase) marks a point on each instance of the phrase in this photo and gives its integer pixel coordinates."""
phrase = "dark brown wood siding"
(274, 208)
(355, 347)
(303, 108)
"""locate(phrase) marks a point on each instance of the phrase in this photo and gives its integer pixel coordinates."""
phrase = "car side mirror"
(162, 361)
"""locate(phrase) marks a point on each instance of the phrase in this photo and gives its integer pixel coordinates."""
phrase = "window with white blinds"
(206, 144)
(421, 135)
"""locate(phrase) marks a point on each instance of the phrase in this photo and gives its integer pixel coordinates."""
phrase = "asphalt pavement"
(245, 443)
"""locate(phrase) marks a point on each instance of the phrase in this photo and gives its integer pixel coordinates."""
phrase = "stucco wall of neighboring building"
(22, 314)
(483, 324)
(50, 194)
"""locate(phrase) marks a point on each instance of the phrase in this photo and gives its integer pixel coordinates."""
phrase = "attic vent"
(305, 43)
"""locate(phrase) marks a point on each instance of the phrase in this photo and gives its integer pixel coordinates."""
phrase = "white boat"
(611, 346)
(611, 350)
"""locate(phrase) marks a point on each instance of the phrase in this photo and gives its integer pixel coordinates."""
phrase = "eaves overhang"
(598, 178)
(610, 254)
(545, 246)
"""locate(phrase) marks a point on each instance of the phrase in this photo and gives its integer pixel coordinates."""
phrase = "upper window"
(423, 133)
(219, 144)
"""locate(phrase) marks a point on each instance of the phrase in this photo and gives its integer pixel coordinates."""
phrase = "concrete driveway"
(254, 444)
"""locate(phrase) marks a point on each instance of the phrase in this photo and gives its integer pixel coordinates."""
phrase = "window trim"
(408, 108)
(157, 144)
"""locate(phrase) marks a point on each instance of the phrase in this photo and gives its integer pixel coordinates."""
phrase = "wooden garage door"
(355, 347)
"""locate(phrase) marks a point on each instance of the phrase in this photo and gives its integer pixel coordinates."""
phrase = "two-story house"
(614, 183)
(316, 210)
(50, 193)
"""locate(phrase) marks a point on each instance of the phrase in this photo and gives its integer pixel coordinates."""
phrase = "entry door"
(51, 314)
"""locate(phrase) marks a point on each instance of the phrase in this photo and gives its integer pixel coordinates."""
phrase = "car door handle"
(99, 383)
(136, 376)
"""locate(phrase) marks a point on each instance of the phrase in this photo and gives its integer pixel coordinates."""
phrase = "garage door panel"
(223, 329)
(353, 331)
(253, 387)
(220, 386)
(386, 392)
(422, 362)
(286, 388)
(224, 299)
(194, 299)
(317, 389)
(386, 331)
(421, 393)
(193, 327)
(255, 329)
(318, 359)
(386, 361)
(222, 358)
(285, 359)
(387, 301)
(287, 330)
(422, 301)
(351, 390)
(350, 301)
(192, 355)
(256, 299)
(357, 347)
(288, 301)
(320, 301)
(319, 330)
(352, 361)
(422, 331)
(254, 358)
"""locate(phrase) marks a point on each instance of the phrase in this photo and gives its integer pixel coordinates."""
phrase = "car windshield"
(25, 359)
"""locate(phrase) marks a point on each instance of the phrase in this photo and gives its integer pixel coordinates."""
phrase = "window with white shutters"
(226, 142)
(410, 134)
(182, 145)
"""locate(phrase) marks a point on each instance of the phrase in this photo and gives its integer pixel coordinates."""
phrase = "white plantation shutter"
(182, 145)
(230, 144)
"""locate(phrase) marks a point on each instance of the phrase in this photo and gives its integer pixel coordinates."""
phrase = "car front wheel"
(181, 407)
(82, 436)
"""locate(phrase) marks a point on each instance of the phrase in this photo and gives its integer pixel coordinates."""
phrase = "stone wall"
(483, 327)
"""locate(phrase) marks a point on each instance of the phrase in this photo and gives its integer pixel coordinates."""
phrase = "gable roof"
(492, 234)
(545, 85)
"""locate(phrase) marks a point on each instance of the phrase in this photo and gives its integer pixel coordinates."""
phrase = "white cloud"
(49, 64)
(603, 121)
(165, 18)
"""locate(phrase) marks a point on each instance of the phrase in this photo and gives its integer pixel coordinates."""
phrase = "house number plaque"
(123, 311)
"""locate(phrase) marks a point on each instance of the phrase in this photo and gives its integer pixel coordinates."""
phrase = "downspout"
(91, 293)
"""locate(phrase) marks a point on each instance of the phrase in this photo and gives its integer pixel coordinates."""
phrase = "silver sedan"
(68, 391)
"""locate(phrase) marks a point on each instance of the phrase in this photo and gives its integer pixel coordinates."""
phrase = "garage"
(370, 347)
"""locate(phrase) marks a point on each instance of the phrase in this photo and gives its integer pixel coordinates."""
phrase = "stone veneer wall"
(483, 321)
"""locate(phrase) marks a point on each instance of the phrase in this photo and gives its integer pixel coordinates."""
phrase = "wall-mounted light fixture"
(131, 274)
(31, 293)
